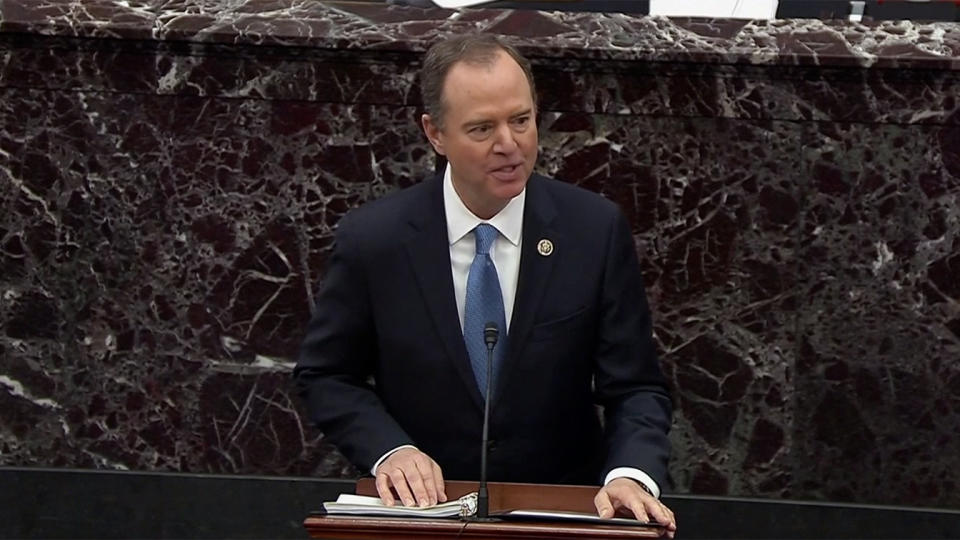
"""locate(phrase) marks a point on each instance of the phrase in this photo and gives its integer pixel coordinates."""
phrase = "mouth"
(507, 172)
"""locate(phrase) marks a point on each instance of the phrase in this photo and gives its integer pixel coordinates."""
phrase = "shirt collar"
(460, 220)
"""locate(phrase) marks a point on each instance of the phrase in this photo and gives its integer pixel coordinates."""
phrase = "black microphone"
(491, 333)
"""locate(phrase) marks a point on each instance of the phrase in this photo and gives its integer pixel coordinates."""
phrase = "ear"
(433, 133)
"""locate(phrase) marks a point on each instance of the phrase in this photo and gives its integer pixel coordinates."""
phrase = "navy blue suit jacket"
(383, 362)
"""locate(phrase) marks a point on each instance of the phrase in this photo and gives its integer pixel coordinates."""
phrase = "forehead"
(495, 85)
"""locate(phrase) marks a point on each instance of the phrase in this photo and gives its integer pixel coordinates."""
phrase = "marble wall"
(171, 172)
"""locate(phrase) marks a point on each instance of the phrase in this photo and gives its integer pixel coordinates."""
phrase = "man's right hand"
(414, 476)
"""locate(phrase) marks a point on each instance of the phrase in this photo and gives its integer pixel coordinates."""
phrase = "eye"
(479, 131)
(521, 123)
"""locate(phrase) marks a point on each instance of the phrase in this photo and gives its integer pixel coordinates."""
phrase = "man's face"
(489, 134)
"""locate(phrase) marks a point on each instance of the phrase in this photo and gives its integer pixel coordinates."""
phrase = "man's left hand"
(625, 496)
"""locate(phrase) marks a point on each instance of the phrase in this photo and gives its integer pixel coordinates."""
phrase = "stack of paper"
(373, 506)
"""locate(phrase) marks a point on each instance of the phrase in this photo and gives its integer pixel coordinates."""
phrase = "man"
(416, 276)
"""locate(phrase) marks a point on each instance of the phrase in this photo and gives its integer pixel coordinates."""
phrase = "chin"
(510, 190)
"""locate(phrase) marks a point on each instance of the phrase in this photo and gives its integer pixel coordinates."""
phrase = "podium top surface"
(503, 496)
(361, 527)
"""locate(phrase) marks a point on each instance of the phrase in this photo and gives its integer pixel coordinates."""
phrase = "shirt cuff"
(634, 474)
(373, 470)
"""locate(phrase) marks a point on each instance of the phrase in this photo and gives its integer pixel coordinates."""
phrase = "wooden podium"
(503, 496)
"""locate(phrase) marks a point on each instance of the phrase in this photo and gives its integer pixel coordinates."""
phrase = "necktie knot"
(485, 234)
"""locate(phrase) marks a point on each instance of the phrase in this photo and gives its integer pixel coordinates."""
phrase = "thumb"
(603, 504)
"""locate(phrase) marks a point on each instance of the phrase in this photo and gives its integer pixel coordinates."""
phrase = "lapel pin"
(545, 247)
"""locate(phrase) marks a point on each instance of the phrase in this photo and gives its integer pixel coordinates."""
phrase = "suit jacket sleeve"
(337, 360)
(629, 383)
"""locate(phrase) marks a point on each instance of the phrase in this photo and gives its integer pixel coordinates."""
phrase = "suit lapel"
(429, 251)
(535, 269)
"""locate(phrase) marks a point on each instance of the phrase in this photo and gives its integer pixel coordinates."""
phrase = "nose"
(505, 143)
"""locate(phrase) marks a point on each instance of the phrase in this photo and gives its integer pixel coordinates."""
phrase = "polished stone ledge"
(360, 25)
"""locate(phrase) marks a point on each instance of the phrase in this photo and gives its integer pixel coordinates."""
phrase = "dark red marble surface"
(170, 174)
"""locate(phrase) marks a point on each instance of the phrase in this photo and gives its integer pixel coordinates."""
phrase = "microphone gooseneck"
(491, 333)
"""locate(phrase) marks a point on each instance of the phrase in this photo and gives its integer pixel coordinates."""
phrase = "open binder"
(465, 507)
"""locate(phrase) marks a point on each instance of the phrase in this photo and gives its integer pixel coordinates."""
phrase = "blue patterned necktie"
(484, 303)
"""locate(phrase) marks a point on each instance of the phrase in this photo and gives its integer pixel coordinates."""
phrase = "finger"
(383, 489)
(671, 518)
(603, 504)
(415, 482)
(658, 513)
(666, 518)
(671, 529)
(425, 469)
(636, 505)
(438, 481)
(399, 480)
(640, 513)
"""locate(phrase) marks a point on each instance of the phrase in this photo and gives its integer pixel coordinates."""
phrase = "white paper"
(452, 4)
(372, 506)
(737, 9)
(560, 515)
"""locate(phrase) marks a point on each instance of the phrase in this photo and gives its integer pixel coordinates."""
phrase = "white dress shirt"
(505, 253)
(505, 250)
